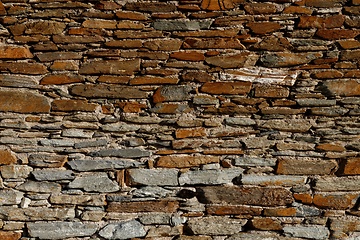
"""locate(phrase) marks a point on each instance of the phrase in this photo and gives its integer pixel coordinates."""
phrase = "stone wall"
(183, 120)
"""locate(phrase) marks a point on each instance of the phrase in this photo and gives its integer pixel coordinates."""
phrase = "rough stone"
(264, 27)
(127, 67)
(221, 43)
(123, 153)
(6, 157)
(107, 91)
(39, 187)
(52, 56)
(17, 101)
(210, 177)
(233, 61)
(287, 59)
(172, 93)
(61, 79)
(53, 174)
(166, 206)
(333, 184)
(123, 230)
(347, 88)
(287, 125)
(152, 177)
(82, 200)
(61, 230)
(94, 182)
(234, 195)
(10, 197)
(305, 167)
(310, 231)
(7, 235)
(215, 225)
(180, 25)
(239, 88)
(15, 171)
(254, 161)
(47, 160)
(185, 161)
(14, 52)
(103, 164)
(266, 180)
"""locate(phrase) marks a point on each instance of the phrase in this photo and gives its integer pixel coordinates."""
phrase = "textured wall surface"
(183, 120)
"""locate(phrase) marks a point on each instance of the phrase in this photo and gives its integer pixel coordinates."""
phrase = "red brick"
(264, 27)
(330, 34)
(266, 224)
(61, 79)
(13, 52)
(215, 5)
(189, 133)
(188, 56)
(23, 102)
(143, 206)
(72, 105)
(350, 166)
(185, 161)
(230, 88)
(319, 22)
(334, 201)
(6, 157)
(233, 210)
(5, 235)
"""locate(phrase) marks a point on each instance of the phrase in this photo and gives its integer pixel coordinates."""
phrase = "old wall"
(184, 119)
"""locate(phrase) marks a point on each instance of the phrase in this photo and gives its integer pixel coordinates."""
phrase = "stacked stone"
(183, 120)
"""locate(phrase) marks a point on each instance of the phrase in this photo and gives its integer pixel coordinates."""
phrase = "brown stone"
(2, 9)
(297, 10)
(14, 52)
(114, 79)
(353, 10)
(330, 147)
(64, 65)
(126, 67)
(131, 16)
(350, 166)
(103, 24)
(107, 91)
(232, 61)
(353, 55)
(226, 33)
(273, 43)
(6, 157)
(264, 27)
(150, 7)
(23, 102)
(330, 74)
(334, 201)
(185, 161)
(144, 206)
(189, 133)
(233, 210)
(305, 167)
(347, 88)
(224, 151)
(270, 91)
(8, 235)
(151, 80)
(335, 21)
(188, 56)
(215, 5)
(130, 25)
(172, 93)
(23, 68)
(52, 56)
(170, 108)
(47, 160)
(72, 105)
(266, 224)
(287, 59)
(138, 34)
(127, 44)
(61, 79)
(131, 107)
(335, 34)
(260, 8)
(231, 88)
(45, 27)
(280, 212)
(238, 195)
(324, 3)
(305, 198)
(197, 76)
(61, 39)
(208, 43)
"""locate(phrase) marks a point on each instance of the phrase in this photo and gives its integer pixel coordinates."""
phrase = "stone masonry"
(179, 120)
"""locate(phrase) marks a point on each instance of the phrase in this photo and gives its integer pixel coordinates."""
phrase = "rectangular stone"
(144, 206)
(334, 184)
(255, 161)
(107, 91)
(124, 153)
(310, 231)
(102, 164)
(305, 167)
(231, 88)
(126, 67)
(52, 56)
(38, 213)
(216, 225)
(185, 161)
(272, 180)
(242, 210)
(152, 177)
(181, 25)
(47, 160)
(61, 230)
(210, 177)
(82, 200)
(14, 52)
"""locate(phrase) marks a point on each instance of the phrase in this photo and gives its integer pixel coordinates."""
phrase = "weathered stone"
(17, 101)
(124, 153)
(172, 93)
(310, 231)
(144, 206)
(61, 230)
(185, 161)
(151, 192)
(61, 79)
(14, 52)
(15, 171)
(163, 45)
(107, 91)
(170, 108)
(283, 59)
(52, 174)
(240, 88)
(52, 56)
(305, 167)
(127, 67)
(324, 3)
(266, 224)
(264, 27)
(329, 111)
(180, 25)
(39, 187)
(319, 22)
(150, 7)
(8, 235)
(268, 91)
(215, 225)
(72, 105)
(77, 39)
(235, 195)
(82, 200)
(123, 230)
(6, 157)
(287, 125)
(233, 61)
(102, 24)
(268, 180)
(334, 200)
(335, 34)
(146, 80)
(217, 5)
(188, 56)
(23, 68)
(47, 160)
(190, 132)
(38, 214)
(350, 166)
(233, 210)
(260, 8)
(210, 177)
(94, 182)
(152, 177)
(103, 164)
(347, 88)
(221, 43)
(254, 161)
(57, 142)
(18, 81)
(273, 43)
(334, 184)
(313, 102)
(10, 197)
